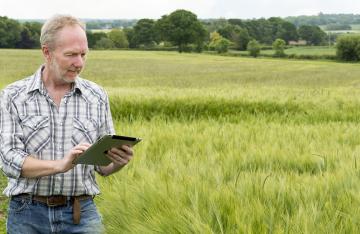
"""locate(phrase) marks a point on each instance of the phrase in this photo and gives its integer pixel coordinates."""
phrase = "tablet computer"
(96, 153)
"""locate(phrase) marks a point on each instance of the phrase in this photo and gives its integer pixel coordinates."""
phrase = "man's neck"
(56, 88)
(51, 82)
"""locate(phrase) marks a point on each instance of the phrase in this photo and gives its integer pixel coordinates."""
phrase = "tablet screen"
(96, 153)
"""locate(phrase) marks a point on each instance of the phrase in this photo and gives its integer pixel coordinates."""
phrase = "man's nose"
(79, 61)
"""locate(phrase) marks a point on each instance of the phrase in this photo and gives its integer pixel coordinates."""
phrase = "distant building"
(298, 43)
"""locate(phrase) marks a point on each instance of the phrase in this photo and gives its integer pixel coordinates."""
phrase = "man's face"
(68, 57)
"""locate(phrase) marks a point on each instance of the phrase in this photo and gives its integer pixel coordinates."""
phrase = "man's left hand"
(120, 156)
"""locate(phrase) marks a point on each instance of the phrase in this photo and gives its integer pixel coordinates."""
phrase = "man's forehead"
(72, 38)
(73, 47)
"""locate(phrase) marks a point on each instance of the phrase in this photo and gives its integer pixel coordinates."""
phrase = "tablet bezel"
(96, 153)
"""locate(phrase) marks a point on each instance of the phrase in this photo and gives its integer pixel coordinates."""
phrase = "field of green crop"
(230, 144)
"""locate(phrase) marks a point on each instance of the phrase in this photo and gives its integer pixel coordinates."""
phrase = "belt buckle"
(55, 201)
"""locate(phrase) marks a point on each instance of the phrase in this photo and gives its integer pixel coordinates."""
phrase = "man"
(46, 121)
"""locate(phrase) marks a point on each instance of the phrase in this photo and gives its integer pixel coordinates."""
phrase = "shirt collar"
(37, 83)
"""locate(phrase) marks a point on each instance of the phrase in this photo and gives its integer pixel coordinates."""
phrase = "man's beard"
(57, 71)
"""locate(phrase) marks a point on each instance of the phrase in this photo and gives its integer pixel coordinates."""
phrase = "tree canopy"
(312, 34)
(10, 32)
(119, 39)
(181, 28)
(144, 32)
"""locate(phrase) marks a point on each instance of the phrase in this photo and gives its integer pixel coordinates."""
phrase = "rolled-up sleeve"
(12, 148)
(108, 126)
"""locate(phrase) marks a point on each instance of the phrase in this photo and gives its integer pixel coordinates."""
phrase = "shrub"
(218, 43)
(348, 47)
(279, 47)
(254, 48)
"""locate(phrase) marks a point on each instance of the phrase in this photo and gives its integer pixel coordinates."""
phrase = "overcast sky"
(136, 9)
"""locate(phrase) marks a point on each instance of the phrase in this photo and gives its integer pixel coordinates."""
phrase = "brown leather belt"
(58, 200)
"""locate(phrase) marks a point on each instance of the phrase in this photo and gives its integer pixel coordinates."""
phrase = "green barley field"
(230, 144)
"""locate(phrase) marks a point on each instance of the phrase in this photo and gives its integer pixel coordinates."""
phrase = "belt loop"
(69, 200)
(31, 198)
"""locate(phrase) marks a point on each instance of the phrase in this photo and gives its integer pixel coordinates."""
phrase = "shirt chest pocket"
(36, 133)
(84, 130)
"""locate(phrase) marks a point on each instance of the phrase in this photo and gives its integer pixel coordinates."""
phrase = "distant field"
(100, 30)
(231, 144)
(355, 27)
(312, 50)
(301, 50)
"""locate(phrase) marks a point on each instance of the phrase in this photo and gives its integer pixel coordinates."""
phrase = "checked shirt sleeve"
(12, 149)
(107, 126)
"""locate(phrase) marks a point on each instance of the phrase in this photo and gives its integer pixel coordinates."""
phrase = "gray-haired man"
(46, 121)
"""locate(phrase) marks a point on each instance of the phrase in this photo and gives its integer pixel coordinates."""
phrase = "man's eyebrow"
(76, 52)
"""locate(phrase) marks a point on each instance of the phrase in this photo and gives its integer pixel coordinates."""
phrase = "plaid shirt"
(31, 124)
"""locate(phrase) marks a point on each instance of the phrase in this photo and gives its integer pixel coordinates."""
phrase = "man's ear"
(46, 53)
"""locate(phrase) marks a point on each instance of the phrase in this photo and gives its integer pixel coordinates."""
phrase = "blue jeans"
(28, 216)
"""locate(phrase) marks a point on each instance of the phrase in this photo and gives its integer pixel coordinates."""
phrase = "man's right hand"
(66, 163)
(33, 167)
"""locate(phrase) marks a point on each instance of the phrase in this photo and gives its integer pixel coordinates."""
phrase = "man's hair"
(53, 25)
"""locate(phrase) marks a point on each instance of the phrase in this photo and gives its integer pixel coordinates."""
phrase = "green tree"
(279, 47)
(144, 32)
(181, 28)
(29, 36)
(130, 35)
(93, 38)
(288, 32)
(104, 44)
(26, 39)
(10, 32)
(227, 31)
(218, 43)
(312, 34)
(266, 30)
(239, 22)
(162, 28)
(348, 47)
(254, 48)
(261, 30)
(240, 37)
(215, 25)
(119, 39)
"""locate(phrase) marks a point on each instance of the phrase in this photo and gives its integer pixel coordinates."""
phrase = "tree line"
(325, 19)
(180, 30)
(19, 35)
